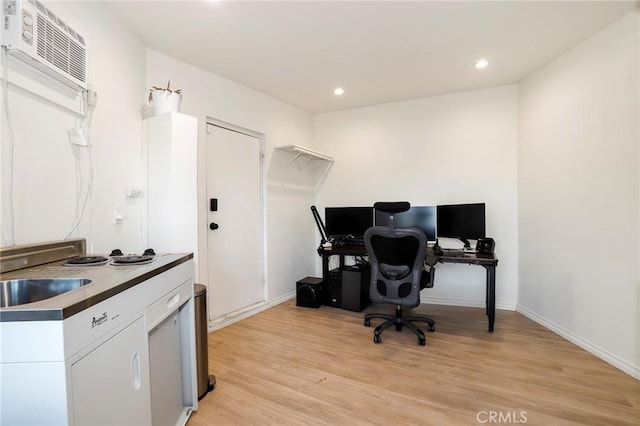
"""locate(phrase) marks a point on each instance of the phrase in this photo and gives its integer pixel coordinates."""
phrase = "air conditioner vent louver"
(60, 50)
(35, 34)
(41, 35)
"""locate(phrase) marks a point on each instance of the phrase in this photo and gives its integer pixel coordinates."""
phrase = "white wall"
(44, 165)
(121, 70)
(289, 192)
(576, 162)
(578, 186)
(458, 148)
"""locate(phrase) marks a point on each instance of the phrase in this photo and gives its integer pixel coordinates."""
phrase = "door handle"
(136, 377)
(213, 226)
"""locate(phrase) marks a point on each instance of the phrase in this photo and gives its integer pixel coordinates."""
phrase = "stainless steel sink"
(19, 292)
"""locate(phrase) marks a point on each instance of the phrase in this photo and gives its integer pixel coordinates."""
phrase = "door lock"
(213, 226)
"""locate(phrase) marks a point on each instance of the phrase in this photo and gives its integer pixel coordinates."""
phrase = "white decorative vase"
(165, 101)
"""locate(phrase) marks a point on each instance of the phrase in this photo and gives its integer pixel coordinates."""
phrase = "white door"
(235, 237)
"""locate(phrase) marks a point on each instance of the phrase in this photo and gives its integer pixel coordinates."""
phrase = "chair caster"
(431, 328)
(398, 327)
(421, 341)
(376, 339)
(367, 323)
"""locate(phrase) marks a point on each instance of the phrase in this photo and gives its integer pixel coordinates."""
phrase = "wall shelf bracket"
(306, 155)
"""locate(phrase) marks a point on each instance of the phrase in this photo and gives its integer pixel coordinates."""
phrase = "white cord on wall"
(82, 203)
(81, 131)
(80, 137)
(8, 223)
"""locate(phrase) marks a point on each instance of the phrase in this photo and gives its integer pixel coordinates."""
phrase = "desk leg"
(491, 295)
(325, 278)
(325, 268)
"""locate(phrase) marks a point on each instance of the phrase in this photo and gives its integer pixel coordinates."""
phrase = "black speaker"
(486, 245)
(309, 292)
(334, 296)
(355, 287)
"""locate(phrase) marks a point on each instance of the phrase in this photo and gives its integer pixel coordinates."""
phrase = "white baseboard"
(235, 316)
(603, 354)
(469, 303)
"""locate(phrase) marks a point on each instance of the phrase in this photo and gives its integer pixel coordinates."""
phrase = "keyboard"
(348, 241)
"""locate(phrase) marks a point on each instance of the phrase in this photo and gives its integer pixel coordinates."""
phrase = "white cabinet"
(110, 385)
(93, 367)
(172, 186)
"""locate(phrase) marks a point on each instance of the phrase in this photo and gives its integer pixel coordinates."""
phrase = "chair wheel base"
(399, 322)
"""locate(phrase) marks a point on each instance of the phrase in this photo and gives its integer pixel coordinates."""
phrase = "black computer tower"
(334, 289)
(355, 287)
(310, 292)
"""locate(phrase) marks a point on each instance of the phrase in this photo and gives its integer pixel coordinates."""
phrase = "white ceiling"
(384, 51)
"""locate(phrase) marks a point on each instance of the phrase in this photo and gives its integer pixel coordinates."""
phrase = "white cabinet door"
(111, 383)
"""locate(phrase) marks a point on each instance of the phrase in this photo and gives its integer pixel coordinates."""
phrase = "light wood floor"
(301, 366)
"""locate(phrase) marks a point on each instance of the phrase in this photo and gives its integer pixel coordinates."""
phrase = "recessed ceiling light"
(481, 63)
(339, 91)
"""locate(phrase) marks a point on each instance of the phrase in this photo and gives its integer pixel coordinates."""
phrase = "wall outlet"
(133, 192)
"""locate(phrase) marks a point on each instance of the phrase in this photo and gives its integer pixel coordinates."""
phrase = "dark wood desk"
(487, 261)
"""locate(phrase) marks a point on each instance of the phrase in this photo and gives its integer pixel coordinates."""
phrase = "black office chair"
(397, 257)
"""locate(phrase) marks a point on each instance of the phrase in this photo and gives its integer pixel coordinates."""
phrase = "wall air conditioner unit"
(35, 35)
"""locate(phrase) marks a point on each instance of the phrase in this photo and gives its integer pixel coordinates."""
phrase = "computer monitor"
(421, 217)
(462, 221)
(343, 221)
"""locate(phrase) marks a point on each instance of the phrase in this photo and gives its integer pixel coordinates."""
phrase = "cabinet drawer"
(170, 302)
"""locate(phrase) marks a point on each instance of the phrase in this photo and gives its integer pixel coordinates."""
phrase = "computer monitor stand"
(467, 244)
(321, 228)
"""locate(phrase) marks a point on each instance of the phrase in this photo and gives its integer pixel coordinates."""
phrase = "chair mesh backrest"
(397, 260)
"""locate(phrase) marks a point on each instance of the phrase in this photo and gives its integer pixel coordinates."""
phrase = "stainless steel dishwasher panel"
(172, 369)
(167, 401)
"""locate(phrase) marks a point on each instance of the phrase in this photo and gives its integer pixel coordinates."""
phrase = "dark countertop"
(106, 281)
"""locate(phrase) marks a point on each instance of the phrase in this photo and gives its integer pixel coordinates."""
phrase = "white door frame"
(203, 255)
